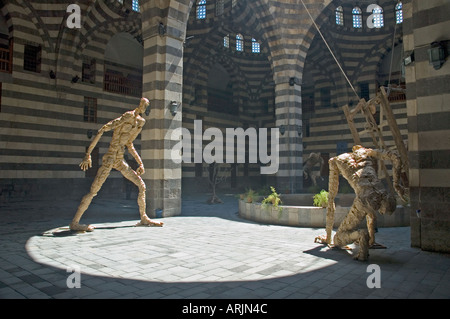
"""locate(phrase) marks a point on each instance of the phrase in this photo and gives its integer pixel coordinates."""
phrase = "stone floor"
(208, 252)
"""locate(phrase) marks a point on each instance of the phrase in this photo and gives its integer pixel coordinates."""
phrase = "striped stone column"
(163, 34)
(428, 124)
(288, 113)
(289, 47)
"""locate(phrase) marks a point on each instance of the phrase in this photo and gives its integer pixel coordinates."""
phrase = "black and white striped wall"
(428, 124)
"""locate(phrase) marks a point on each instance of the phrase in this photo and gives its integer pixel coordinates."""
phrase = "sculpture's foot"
(81, 227)
(377, 246)
(145, 221)
(214, 200)
(362, 256)
(364, 246)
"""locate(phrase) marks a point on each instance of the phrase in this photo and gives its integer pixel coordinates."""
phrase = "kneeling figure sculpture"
(359, 169)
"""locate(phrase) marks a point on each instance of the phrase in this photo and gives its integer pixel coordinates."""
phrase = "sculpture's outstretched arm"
(394, 158)
(87, 161)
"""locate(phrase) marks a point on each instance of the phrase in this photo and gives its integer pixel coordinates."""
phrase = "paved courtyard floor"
(208, 252)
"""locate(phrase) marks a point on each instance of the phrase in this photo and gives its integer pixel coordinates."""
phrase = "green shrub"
(273, 198)
(321, 199)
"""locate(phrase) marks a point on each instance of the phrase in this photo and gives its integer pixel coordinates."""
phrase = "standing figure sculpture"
(312, 160)
(126, 128)
(359, 169)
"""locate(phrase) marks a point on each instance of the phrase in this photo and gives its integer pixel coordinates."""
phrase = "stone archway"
(164, 32)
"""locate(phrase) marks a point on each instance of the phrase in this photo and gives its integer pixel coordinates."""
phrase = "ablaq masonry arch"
(284, 27)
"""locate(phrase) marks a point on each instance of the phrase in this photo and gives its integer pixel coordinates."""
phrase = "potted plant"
(272, 199)
(249, 195)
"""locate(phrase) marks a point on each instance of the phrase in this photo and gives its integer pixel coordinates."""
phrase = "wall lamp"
(437, 55)
(52, 74)
(408, 58)
(173, 107)
(185, 42)
(293, 81)
(89, 133)
(75, 79)
(282, 129)
(161, 29)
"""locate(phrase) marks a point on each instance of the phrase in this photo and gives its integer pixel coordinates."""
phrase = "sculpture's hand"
(86, 163)
(140, 170)
(321, 239)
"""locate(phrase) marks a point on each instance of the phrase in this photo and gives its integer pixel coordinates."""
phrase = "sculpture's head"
(388, 204)
(144, 103)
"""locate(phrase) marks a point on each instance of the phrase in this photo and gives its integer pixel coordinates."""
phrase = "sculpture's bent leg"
(100, 178)
(132, 176)
(333, 187)
(371, 220)
(347, 232)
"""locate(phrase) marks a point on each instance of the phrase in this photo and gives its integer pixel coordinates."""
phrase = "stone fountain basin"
(298, 211)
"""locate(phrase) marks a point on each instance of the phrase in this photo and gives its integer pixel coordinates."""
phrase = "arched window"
(357, 18)
(339, 16)
(256, 47)
(399, 13)
(378, 19)
(201, 9)
(226, 41)
(239, 42)
(135, 5)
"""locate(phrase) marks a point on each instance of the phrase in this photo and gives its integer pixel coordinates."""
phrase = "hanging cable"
(326, 43)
